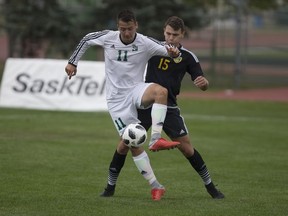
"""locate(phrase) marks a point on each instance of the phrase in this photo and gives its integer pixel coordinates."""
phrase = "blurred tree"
(38, 27)
(151, 14)
(259, 4)
(34, 25)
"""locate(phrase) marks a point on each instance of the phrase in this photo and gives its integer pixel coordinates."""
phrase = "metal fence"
(242, 53)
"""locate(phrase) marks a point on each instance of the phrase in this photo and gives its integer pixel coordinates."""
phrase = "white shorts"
(123, 110)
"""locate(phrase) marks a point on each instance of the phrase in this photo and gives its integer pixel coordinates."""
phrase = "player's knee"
(122, 148)
(186, 149)
(137, 151)
(161, 91)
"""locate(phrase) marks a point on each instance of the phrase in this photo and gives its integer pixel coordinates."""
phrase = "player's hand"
(173, 51)
(201, 82)
(71, 70)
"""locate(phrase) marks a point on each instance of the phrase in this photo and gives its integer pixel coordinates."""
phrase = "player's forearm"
(79, 51)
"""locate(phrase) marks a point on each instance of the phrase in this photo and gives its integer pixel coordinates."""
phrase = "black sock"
(199, 165)
(115, 167)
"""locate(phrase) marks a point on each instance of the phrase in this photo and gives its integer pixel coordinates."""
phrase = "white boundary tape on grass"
(220, 118)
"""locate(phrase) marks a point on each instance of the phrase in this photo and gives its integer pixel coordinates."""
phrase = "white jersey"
(124, 64)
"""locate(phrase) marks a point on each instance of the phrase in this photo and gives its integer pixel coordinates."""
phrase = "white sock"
(142, 162)
(158, 114)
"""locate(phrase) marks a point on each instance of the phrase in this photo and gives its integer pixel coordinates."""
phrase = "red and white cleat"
(157, 193)
(162, 144)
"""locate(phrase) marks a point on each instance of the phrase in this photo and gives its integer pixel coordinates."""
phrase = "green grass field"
(55, 163)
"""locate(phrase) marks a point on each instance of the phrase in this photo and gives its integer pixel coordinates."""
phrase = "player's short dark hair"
(176, 23)
(126, 16)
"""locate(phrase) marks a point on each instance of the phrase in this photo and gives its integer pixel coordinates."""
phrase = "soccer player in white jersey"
(126, 55)
(169, 74)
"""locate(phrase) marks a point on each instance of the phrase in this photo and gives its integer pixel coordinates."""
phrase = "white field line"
(187, 116)
(223, 118)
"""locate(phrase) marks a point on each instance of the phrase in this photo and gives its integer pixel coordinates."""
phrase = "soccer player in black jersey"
(169, 74)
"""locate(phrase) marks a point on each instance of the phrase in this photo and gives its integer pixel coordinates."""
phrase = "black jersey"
(167, 73)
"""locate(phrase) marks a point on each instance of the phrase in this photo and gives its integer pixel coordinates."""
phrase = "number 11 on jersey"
(122, 55)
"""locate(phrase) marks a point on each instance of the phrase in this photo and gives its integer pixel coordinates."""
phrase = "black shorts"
(174, 125)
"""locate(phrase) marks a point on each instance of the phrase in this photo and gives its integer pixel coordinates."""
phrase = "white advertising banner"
(43, 84)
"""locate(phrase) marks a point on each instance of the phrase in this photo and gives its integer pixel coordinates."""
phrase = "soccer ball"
(134, 135)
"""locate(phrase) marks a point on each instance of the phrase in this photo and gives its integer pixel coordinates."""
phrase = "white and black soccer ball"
(134, 135)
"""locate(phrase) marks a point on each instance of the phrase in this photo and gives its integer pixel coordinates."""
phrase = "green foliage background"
(44, 24)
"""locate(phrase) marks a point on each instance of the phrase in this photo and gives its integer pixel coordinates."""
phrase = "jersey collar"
(127, 43)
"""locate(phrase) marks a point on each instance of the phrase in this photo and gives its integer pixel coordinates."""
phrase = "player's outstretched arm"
(202, 83)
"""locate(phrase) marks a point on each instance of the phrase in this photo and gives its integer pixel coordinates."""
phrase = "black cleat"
(214, 192)
(108, 191)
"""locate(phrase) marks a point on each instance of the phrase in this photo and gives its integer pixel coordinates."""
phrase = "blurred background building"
(240, 43)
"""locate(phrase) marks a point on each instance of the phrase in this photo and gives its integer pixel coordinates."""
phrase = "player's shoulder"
(97, 34)
(188, 53)
(110, 33)
(148, 39)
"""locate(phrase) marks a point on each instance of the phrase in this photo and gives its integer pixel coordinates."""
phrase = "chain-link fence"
(244, 52)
